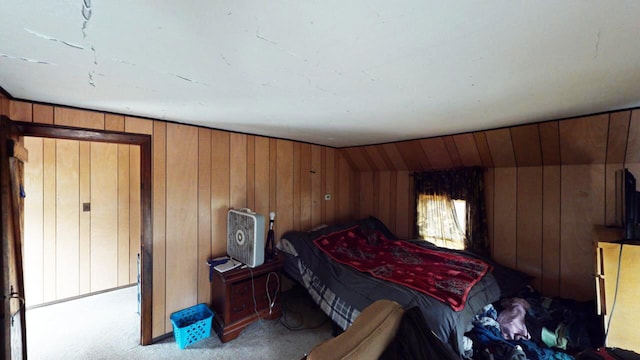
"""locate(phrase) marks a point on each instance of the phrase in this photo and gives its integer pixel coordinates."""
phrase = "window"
(442, 221)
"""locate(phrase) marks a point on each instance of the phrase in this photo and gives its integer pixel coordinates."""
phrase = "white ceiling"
(337, 73)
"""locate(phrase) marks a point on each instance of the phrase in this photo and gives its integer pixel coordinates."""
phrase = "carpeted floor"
(106, 326)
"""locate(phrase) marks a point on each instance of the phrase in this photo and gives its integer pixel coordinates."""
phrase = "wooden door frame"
(146, 253)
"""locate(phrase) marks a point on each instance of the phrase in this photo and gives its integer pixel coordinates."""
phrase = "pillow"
(510, 281)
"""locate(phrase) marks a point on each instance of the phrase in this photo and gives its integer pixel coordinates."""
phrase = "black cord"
(615, 294)
(300, 326)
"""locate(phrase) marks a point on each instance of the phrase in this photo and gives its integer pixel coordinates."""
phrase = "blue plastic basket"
(191, 324)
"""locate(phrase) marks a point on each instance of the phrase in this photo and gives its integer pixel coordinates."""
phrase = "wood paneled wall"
(198, 174)
(547, 185)
(68, 251)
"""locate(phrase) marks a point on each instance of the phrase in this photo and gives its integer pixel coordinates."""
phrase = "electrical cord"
(286, 310)
(253, 293)
(615, 294)
(272, 302)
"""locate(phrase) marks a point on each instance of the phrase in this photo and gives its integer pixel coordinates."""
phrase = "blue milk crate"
(191, 324)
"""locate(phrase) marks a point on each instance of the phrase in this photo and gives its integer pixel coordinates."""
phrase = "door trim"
(146, 253)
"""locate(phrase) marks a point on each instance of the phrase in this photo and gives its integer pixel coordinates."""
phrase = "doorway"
(143, 144)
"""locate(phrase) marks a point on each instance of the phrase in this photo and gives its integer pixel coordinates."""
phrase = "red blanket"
(445, 276)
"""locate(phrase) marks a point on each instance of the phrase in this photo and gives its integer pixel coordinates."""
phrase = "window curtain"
(460, 184)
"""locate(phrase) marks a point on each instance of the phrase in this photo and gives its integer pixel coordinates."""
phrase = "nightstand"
(232, 297)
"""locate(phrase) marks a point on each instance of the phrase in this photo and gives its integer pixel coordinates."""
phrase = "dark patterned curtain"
(460, 184)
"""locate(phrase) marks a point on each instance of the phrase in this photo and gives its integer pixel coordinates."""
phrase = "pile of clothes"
(530, 326)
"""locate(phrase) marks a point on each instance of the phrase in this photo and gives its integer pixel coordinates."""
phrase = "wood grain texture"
(305, 186)
(610, 196)
(297, 186)
(550, 142)
(124, 214)
(34, 222)
(453, 151)
(284, 186)
(262, 176)
(104, 217)
(358, 159)
(501, 147)
(526, 145)
(394, 155)
(316, 185)
(584, 140)
(384, 196)
(67, 219)
(633, 141)
(344, 179)
(159, 200)
(413, 155)
(182, 218)
(113, 122)
(489, 193)
(529, 223)
(403, 205)
(380, 161)
(50, 218)
(618, 134)
(204, 214)
(436, 151)
(238, 170)
(78, 118)
(582, 207)
(367, 194)
(483, 148)
(330, 171)
(251, 172)
(20, 111)
(136, 125)
(504, 217)
(42, 114)
(220, 189)
(551, 204)
(468, 149)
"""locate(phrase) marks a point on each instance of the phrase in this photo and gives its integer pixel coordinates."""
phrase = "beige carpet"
(106, 326)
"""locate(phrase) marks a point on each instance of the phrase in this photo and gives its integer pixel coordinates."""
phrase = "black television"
(627, 204)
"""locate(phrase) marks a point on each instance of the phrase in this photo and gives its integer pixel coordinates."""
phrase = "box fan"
(245, 236)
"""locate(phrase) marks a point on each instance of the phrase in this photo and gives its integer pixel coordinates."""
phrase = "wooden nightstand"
(232, 297)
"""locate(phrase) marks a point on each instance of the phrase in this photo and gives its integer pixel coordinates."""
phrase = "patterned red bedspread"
(445, 276)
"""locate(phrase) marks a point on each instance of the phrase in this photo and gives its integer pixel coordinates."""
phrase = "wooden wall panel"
(584, 140)
(136, 125)
(316, 175)
(305, 186)
(220, 185)
(436, 151)
(529, 223)
(383, 193)
(468, 149)
(618, 134)
(85, 218)
(284, 186)
(34, 228)
(551, 203)
(297, 186)
(526, 145)
(379, 159)
(550, 142)
(78, 118)
(367, 194)
(182, 218)
(394, 154)
(344, 180)
(104, 217)
(483, 149)
(582, 208)
(329, 185)
(42, 114)
(504, 217)
(358, 158)
(413, 155)
(67, 219)
(238, 170)
(489, 193)
(124, 172)
(204, 214)
(501, 147)
(50, 218)
(262, 178)
(404, 205)
(633, 142)
(113, 122)
(251, 172)
(20, 111)
(453, 151)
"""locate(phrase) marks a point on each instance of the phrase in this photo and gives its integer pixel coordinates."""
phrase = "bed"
(342, 291)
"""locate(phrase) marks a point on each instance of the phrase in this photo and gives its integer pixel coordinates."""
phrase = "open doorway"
(82, 238)
(143, 264)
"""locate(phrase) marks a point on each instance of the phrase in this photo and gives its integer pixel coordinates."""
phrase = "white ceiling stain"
(332, 73)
